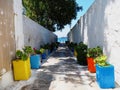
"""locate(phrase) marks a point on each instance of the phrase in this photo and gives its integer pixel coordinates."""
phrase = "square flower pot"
(105, 76)
(75, 53)
(35, 61)
(49, 52)
(21, 69)
(91, 64)
(43, 55)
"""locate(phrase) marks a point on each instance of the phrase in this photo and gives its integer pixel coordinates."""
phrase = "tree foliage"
(52, 14)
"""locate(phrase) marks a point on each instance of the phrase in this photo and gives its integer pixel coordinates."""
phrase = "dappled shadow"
(42, 82)
(73, 72)
(62, 52)
(67, 69)
(69, 60)
(51, 68)
(64, 65)
(85, 79)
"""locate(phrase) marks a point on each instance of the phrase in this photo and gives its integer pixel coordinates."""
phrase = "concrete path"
(59, 72)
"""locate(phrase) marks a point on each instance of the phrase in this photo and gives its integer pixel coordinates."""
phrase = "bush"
(94, 52)
(101, 60)
(42, 50)
(81, 50)
(24, 53)
(72, 46)
(28, 50)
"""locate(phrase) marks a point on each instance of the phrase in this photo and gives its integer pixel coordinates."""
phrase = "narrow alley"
(59, 72)
(31, 57)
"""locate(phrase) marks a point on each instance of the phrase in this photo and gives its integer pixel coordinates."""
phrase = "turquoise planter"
(105, 76)
(35, 61)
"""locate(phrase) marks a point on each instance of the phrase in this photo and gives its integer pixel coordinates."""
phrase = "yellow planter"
(75, 53)
(21, 69)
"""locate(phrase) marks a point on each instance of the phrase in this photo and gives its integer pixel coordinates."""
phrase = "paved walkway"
(59, 72)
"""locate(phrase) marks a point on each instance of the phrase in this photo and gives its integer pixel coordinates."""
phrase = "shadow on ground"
(72, 72)
(67, 69)
(63, 52)
(41, 83)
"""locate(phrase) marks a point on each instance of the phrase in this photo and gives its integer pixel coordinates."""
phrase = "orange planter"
(91, 65)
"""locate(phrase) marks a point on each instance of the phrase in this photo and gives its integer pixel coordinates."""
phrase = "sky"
(86, 4)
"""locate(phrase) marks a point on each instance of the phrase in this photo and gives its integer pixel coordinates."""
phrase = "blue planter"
(44, 56)
(105, 76)
(72, 49)
(35, 61)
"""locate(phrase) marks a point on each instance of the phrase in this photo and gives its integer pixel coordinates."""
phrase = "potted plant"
(28, 50)
(72, 46)
(47, 48)
(90, 60)
(81, 50)
(75, 53)
(43, 54)
(91, 54)
(21, 65)
(35, 59)
(104, 72)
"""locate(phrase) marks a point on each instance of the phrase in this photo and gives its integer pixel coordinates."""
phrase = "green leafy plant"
(36, 51)
(21, 55)
(94, 52)
(72, 46)
(24, 53)
(24, 57)
(54, 46)
(46, 46)
(28, 50)
(98, 51)
(90, 52)
(81, 50)
(101, 60)
(42, 50)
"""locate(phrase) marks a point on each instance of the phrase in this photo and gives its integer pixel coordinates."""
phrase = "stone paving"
(59, 72)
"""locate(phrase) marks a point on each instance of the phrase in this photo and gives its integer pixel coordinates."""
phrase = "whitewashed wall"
(74, 35)
(36, 35)
(101, 26)
(27, 32)
(18, 19)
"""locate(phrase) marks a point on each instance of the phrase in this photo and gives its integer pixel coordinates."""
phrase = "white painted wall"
(101, 26)
(27, 32)
(18, 20)
(36, 35)
(75, 33)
